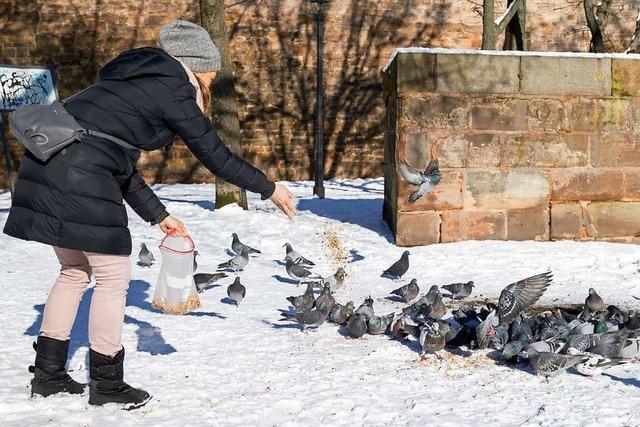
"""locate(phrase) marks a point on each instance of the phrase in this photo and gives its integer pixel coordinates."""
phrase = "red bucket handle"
(193, 245)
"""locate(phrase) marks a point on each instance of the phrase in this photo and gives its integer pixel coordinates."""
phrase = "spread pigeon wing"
(520, 295)
(432, 167)
(409, 174)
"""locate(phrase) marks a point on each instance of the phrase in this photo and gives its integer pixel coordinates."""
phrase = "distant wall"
(274, 49)
(532, 147)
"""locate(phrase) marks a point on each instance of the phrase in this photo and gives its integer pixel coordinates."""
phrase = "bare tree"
(512, 20)
(224, 100)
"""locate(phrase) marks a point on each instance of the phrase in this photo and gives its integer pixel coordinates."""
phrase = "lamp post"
(318, 188)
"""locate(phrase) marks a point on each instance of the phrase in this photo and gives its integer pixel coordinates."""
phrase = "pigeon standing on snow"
(378, 325)
(459, 290)
(341, 313)
(366, 309)
(552, 364)
(297, 271)
(337, 279)
(296, 257)
(399, 268)
(311, 318)
(325, 300)
(631, 348)
(204, 279)
(236, 291)
(357, 326)
(237, 263)
(520, 295)
(425, 181)
(238, 246)
(594, 302)
(145, 256)
(407, 292)
(305, 301)
(432, 336)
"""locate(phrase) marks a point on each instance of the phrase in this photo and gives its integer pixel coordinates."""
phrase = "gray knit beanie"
(191, 44)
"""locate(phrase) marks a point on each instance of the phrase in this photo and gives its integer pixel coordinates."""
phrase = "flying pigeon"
(357, 326)
(399, 268)
(459, 290)
(337, 279)
(298, 272)
(425, 181)
(305, 301)
(236, 291)
(552, 364)
(195, 263)
(485, 330)
(407, 292)
(145, 256)
(311, 318)
(237, 263)
(378, 325)
(366, 309)
(341, 313)
(325, 300)
(202, 280)
(296, 257)
(594, 302)
(238, 246)
(520, 295)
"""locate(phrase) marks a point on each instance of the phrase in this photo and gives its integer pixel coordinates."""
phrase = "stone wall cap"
(447, 51)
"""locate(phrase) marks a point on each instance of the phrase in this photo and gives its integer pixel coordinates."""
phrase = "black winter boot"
(50, 377)
(107, 385)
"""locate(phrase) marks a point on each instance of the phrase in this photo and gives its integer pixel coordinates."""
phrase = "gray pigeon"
(427, 299)
(552, 364)
(425, 181)
(195, 263)
(296, 257)
(555, 346)
(520, 295)
(485, 330)
(378, 325)
(145, 256)
(631, 348)
(433, 336)
(594, 302)
(238, 246)
(202, 280)
(357, 326)
(311, 318)
(459, 290)
(340, 314)
(511, 349)
(236, 291)
(237, 263)
(305, 301)
(325, 300)
(407, 292)
(403, 327)
(366, 309)
(337, 279)
(298, 272)
(596, 365)
(399, 268)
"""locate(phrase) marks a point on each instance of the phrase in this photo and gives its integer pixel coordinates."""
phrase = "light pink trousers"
(106, 314)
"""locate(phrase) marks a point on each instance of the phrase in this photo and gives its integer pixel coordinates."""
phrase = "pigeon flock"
(590, 339)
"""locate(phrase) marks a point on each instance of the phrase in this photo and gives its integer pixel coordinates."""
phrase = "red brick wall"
(531, 147)
(274, 46)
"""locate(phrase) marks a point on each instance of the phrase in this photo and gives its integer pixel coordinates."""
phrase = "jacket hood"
(142, 62)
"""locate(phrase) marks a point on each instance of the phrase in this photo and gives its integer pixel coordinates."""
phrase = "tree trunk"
(633, 46)
(597, 42)
(223, 94)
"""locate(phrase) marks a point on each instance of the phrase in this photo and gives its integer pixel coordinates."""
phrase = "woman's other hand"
(173, 225)
(283, 199)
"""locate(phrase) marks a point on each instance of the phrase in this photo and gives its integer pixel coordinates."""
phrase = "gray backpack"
(47, 129)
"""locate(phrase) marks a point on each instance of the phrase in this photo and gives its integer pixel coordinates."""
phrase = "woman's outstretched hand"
(173, 225)
(283, 199)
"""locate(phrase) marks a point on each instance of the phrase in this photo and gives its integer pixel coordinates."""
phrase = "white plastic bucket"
(176, 291)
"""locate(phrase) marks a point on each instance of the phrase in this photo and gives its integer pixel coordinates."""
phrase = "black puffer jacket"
(75, 200)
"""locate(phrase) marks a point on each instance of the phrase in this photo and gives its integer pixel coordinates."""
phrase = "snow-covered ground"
(226, 366)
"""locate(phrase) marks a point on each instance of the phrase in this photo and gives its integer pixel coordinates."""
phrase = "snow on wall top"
(441, 51)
